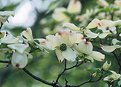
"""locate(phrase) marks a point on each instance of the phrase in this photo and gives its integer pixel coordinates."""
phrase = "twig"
(66, 69)
(65, 65)
(88, 81)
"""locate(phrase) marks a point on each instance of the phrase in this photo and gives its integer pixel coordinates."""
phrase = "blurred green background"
(34, 14)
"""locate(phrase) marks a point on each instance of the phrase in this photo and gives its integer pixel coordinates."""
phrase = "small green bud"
(106, 66)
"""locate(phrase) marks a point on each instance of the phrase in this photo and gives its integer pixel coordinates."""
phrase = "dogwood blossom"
(59, 15)
(74, 6)
(62, 42)
(102, 24)
(86, 47)
(87, 32)
(114, 76)
(103, 3)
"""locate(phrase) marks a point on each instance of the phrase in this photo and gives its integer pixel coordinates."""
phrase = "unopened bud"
(106, 66)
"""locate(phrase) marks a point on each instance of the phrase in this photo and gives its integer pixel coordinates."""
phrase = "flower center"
(63, 47)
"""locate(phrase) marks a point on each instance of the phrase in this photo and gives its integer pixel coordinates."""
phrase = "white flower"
(19, 60)
(102, 3)
(106, 66)
(106, 26)
(62, 44)
(27, 34)
(74, 6)
(117, 3)
(114, 76)
(59, 15)
(103, 24)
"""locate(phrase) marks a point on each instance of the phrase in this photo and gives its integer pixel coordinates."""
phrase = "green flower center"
(63, 47)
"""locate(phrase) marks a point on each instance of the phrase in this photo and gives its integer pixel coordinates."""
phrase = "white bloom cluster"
(71, 43)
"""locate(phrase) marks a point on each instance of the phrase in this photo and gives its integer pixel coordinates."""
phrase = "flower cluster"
(72, 42)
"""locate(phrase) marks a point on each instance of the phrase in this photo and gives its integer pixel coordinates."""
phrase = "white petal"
(108, 48)
(114, 41)
(75, 38)
(90, 34)
(53, 40)
(9, 39)
(89, 58)
(59, 15)
(85, 47)
(118, 22)
(45, 44)
(69, 54)
(71, 26)
(28, 34)
(103, 35)
(97, 56)
(59, 55)
(105, 23)
(93, 23)
(103, 3)
(6, 13)
(115, 75)
(74, 6)
(18, 47)
(117, 46)
(19, 60)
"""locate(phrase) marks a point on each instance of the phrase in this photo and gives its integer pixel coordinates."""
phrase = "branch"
(37, 78)
(65, 65)
(5, 61)
(66, 69)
